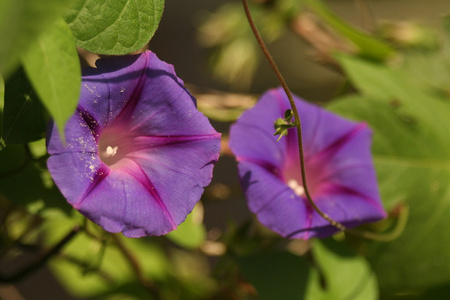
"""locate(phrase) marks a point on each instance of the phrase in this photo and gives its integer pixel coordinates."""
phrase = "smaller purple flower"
(338, 162)
(138, 152)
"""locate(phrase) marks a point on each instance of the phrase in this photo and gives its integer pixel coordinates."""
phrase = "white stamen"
(298, 189)
(110, 151)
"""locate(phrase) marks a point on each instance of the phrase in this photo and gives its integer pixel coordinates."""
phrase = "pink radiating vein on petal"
(161, 110)
(99, 176)
(143, 142)
(127, 112)
(136, 129)
(263, 164)
(338, 163)
(328, 152)
(333, 188)
(136, 171)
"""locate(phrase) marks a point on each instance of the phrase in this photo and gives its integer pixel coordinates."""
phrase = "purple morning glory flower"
(138, 152)
(339, 168)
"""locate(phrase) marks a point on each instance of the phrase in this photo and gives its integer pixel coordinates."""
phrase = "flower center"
(110, 151)
(293, 176)
(297, 188)
(114, 144)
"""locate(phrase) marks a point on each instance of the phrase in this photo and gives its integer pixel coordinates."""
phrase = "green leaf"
(21, 21)
(25, 183)
(276, 275)
(413, 166)
(346, 275)
(191, 270)
(2, 92)
(281, 275)
(114, 27)
(446, 25)
(429, 69)
(12, 158)
(369, 46)
(2, 98)
(191, 233)
(92, 266)
(23, 116)
(425, 113)
(53, 67)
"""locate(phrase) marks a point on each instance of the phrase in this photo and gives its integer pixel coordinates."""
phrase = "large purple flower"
(338, 164)
(138, 153)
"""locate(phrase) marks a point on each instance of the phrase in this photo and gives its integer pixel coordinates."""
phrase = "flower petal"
(107, 89)
(321, 128)
(120, 202)
(253, 138)
(79, 137)
(180, 171)
(275, 204)
(345, 207)
(74, 173)
(339, 169)
(157, 151)
(164, 106)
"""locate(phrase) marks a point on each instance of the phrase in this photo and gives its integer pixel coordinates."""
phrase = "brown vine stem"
(296, 116)
(404, 211)
(42, 259)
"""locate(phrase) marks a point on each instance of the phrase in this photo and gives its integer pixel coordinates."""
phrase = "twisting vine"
(404, 209)
(298, 125)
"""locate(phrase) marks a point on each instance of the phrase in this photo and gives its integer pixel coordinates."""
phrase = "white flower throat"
(110, 151)
(298, 189)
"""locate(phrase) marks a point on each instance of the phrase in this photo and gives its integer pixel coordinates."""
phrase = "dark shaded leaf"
(276, 275)
(23, 116)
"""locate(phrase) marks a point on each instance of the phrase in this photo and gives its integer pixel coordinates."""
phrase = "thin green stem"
(400, 226)
(296, 116)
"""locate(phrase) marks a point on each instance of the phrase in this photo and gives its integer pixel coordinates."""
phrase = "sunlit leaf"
(91, 266)
(191, 233)
(425, 113)
(368, 45)
(235, 54)
(446, 24)
(191, 270)
(413, 167)
(345, 274)
(114, 26)
(281, 275)
(429, 70)
(21, 22)
(53, 67)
